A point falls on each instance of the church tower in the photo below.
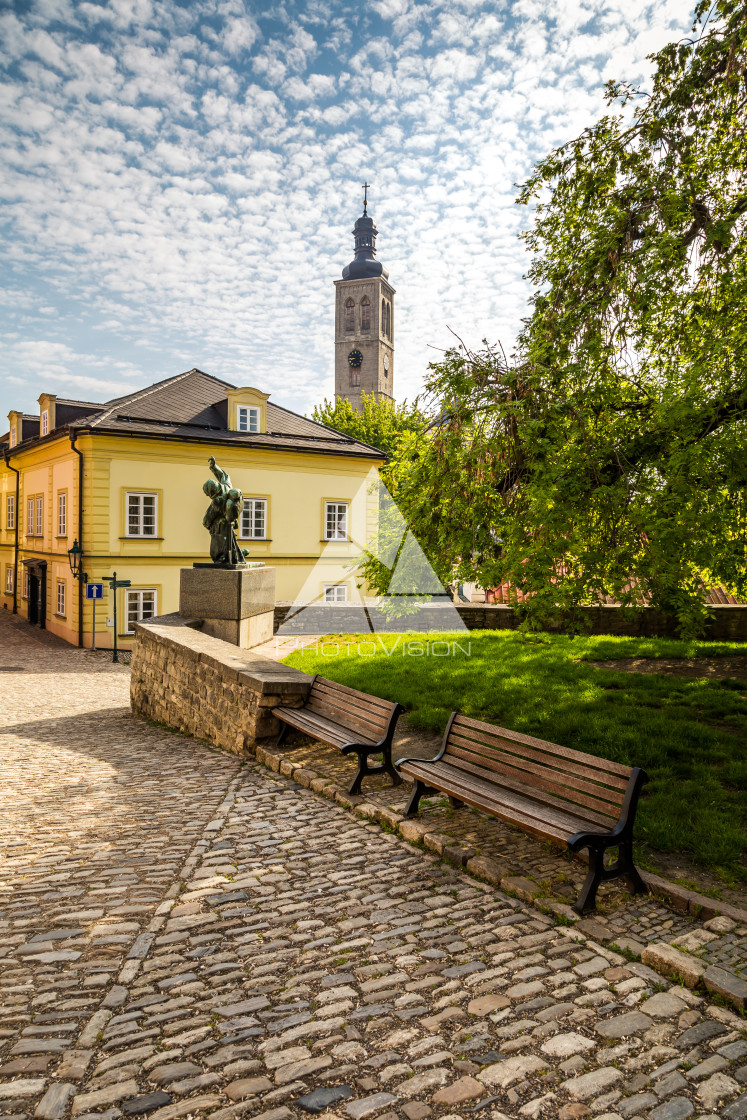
(364, 320)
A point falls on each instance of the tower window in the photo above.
(383, 317)
(355, 377)
(349, 314)
(365, 314)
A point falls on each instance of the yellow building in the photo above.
(125, 479)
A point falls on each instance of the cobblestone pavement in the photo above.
(628, 922)
(184, 934)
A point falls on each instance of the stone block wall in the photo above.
(199, 684)
(727, 623)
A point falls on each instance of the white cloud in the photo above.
(180, 182)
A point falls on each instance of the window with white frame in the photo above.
(335, 521)
(9, 580)
(247, 419)
(62, 514)
(40, 517)
(254, 519)
(140, 605)
(142, 514)
(335, 593)
(10, 512)
(61, 588)
(30, 517)
(45, 422)
(26, 583)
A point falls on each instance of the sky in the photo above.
(180, 179)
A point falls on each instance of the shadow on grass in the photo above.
(688, 734)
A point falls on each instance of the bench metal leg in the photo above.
(587, 900)
(390, 769)
(630, 871)
(284, 729)
(420, 790)
(622, 868)
(364, 770)
(355, 786)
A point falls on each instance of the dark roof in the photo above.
(193, 406)
(79, 404)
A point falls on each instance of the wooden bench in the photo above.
(553, 792)
(351, 721)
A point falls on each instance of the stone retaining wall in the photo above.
(727, 623)
(201, 685)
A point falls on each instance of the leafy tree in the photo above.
(609, 456)
(380, 423)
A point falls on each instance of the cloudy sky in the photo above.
(181, 177)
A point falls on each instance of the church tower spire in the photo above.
(364, 320)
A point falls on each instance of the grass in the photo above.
(688, 734)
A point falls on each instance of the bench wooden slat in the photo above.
(352, 703)
(545, 779)
(319, 728)
(345, 734)
(505, 782)
(610, 786)
(325, 685)
(352, 719)
(550, 748)
(563, 819)
(479, 797)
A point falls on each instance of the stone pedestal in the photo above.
(236, 604)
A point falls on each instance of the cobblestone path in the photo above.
(184, 935)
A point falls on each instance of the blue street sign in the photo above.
(94, 591)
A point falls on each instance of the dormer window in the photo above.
(247, 419)
(45, 422)
(349, 314)
(365, 314)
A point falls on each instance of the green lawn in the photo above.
(689, 735)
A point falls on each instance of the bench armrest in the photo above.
(623, 830)
(439, 756)
(386, 739)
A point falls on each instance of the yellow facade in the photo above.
(294, 484)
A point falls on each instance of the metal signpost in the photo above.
(115, 583)
(94, 591)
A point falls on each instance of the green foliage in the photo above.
(688, 734)
(380, 424)
(608, 458)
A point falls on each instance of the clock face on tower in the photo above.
(355, 358)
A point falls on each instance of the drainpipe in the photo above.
(17, 517)
(73, 437)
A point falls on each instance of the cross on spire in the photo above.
(366, 187)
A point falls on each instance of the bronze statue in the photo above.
(222, 518)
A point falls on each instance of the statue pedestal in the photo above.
(236, 604)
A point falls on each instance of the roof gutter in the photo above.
(163, 437)
(6, 456)
(79, 453)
